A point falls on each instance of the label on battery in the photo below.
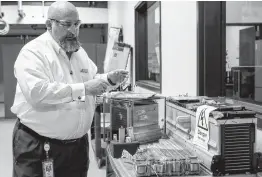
(201, 136)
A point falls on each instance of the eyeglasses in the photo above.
(67, 24)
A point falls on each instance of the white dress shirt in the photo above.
(49, 99)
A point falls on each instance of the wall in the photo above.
(91, 35)
(244, 12)
(179, 45)
(115, 13)
(259, 140)
(1, 73)
(38, 14)
(121, 14)
(179, 57)
(1, 83)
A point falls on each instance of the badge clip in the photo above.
(46, 148)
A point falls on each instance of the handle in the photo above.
(180, 119)
(183, 119)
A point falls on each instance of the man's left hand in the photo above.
(118, 76)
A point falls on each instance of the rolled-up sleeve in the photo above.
(35, 81)
(78, 90)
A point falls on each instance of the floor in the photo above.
(6, 128)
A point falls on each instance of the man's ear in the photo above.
(48, 24)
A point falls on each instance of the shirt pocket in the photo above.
(54, 68)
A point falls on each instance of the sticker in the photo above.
(201, 136)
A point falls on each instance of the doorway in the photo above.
(10, 47)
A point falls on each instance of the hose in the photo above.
(5, 30)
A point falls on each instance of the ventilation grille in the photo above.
(237, 148)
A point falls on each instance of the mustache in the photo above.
(71, 38)
(71, 41)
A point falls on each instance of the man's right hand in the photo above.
(95, 87)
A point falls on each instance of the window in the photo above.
(243, 77)
(230, 52)
(148, 45)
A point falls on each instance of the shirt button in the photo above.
(79, 97)
(71, 72)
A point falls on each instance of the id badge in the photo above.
(48, 168)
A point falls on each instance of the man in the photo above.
(55, 99)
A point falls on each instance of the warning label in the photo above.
(201, 136)
(202, 122)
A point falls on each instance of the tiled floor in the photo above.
(6, 128)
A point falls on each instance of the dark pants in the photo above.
(71, 159)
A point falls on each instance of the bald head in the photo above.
(63, 25)
(62, 10)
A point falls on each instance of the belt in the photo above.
(51, 140)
